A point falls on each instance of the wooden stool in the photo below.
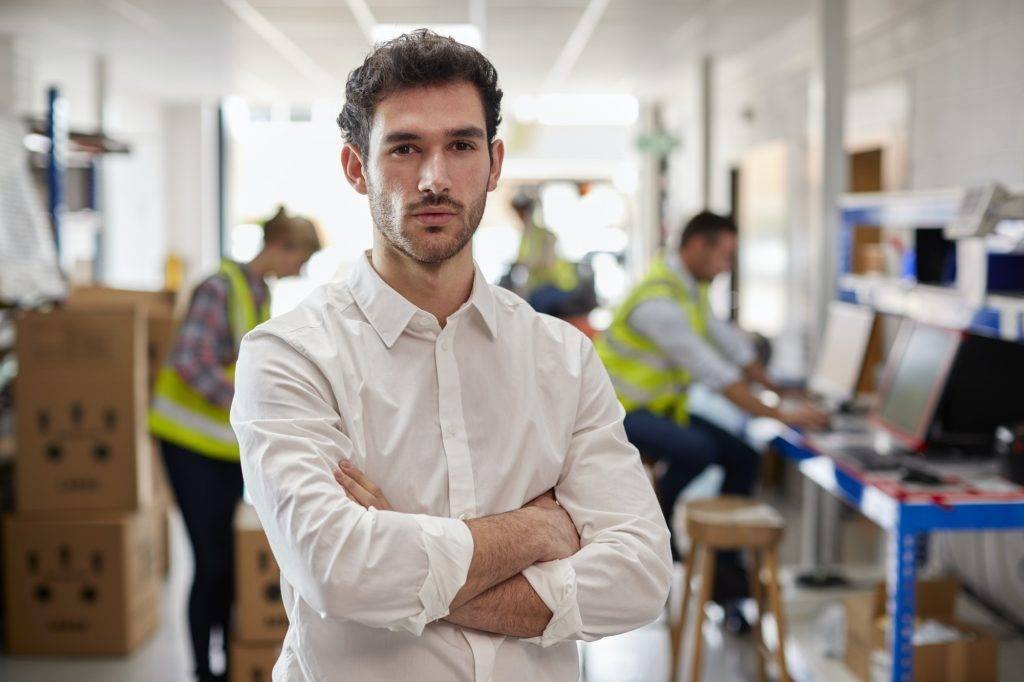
(732, 522)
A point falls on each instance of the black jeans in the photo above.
(207, 491)
(689, 450)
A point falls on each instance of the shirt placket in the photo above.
(461, 485)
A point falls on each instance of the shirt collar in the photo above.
(678, 267)
(389, 312)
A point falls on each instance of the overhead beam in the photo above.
(575, 45)
(364, 17)
(282, 44)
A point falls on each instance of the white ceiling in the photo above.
(303, 49)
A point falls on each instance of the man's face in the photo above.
(427, 170)
(712, 256)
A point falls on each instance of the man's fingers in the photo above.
(359, 477)
(361, 495)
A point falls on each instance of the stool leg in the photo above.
(757, 592)
(707, 584)
(680, 626)
(772, 564)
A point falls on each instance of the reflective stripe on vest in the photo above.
(643, 376)
(181, 415)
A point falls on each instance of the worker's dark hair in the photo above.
(415, 59)
(708, 225)
(291, 230)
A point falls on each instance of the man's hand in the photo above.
(805, 416)
(359, 488)
(562, 538)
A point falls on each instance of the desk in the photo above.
(907, 515)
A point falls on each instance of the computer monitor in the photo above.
(914, 380)
(841, 351)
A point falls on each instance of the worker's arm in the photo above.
(194, 354)
(378, 567)
(509, 608)
(663, 322)
(512, 608)
(619, 579)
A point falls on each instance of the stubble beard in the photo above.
(387, 220)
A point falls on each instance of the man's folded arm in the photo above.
(619, 580)
(380, 568)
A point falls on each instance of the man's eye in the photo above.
(402, 149)
(463, 146)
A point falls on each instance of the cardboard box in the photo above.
(252, 662)
(971, 659)
(259, 611)
(163, 500)
(156, 306)
(81, 585)
(152, 302)
(81, 407)
(160, 331)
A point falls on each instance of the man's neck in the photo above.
(259, 266)
(440, 289)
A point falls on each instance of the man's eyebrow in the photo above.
(465, 131)
(401, 136)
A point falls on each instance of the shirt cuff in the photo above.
(555, 584)
(449, 547)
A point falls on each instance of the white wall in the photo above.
(939, 84)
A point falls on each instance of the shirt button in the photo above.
(452, 431)
(445, 345)
(463, 517)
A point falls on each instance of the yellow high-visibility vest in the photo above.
(538, 253)
(180, 414)
(644, 377)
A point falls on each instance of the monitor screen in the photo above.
(841, 352)
(915, 377)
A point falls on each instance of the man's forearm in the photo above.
(503, 545)
(511, 608)
(742, 397)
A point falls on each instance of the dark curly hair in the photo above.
(421, 57)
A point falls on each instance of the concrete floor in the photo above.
(640, 656)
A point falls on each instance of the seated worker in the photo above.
(551, 280)
(189, 416)
(664, 337)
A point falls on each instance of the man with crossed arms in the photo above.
(442, 473)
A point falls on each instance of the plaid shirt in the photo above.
(205, 346)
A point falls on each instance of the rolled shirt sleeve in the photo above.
(379, 568)
(619, 580)
(666, 325)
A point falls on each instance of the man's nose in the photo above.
(434, 176)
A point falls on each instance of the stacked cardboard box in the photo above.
(158, 309)
(260, 621)
(970, 658)
(80, 553)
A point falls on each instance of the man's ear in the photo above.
(352, 164)
(497, 157)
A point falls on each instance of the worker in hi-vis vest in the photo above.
(189, 415)
(662, 338)
(550, 279)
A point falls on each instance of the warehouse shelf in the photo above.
(992, 314)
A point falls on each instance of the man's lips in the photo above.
(434, 217)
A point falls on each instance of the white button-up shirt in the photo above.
(453, 423)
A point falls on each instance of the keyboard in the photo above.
(868, 459)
